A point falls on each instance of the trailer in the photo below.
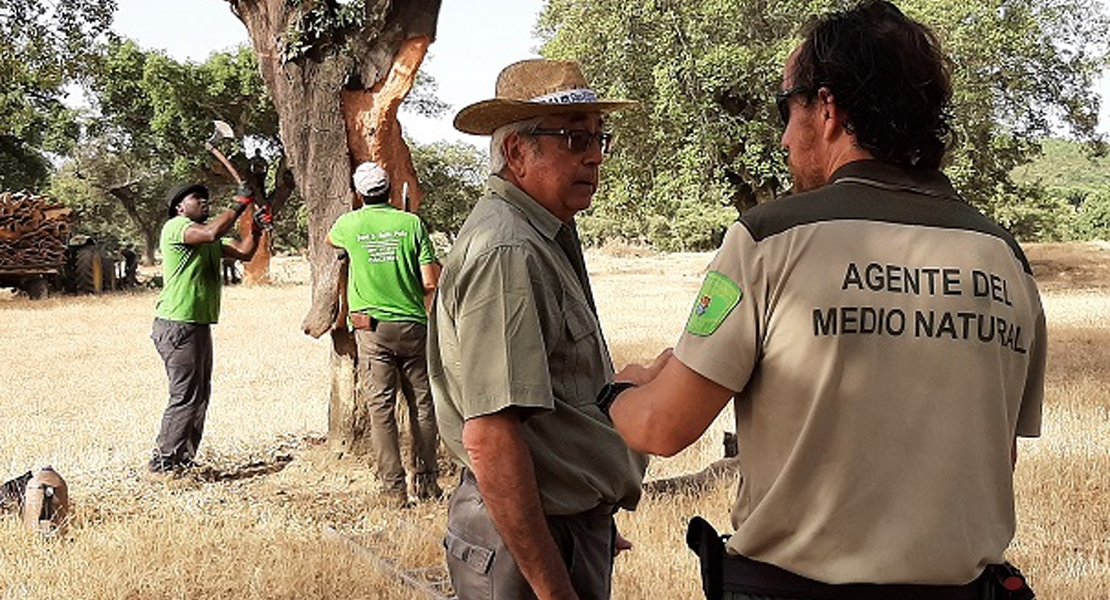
(38, 254)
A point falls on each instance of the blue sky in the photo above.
(475, 40)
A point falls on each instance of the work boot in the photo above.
(426, 487)
(160, 464)
(394, 498)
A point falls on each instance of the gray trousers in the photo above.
(482, 568)
(186, 349)
(395, 352)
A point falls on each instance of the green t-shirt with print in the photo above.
(190, 276)
(386, 247)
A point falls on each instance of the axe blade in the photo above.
(221, 130)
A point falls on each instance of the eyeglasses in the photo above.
(782, 102)
(578, 140)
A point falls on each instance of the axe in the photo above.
(222, 131)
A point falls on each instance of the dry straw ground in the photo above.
(82, 388)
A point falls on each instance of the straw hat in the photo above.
(532, 88)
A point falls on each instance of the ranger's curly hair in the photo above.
(888, 73)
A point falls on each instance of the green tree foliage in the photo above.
(44, 47)
(422, 98)
(1067, 167)
(1079, 184)
(704, 137)
(1093, 218)
(704, 143)
(149, 119)
(1022, 69)
(453, 177)
(150, 104)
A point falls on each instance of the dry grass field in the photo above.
(273, 513)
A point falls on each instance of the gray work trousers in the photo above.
(482, 568)
(395, 352)
(186, 349)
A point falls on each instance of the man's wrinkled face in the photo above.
(560, 163)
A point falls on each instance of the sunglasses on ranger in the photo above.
(782, 102)
(578, 140)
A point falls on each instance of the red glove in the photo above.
(263, 219)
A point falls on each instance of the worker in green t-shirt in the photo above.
(192, 252)
(391, 280)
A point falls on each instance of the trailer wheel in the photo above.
(37, 288)
(89, 271)
(108, 270)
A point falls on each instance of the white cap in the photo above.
(370, 179)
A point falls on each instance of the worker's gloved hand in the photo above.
(263, 219)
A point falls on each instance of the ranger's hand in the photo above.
(620, 543)
(642, 374)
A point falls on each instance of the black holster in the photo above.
(703, 539)
(722, 572)
(1005, 582)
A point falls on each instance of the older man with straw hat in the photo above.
(516, 354)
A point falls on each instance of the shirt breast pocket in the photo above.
(580, 322)
(578, 367)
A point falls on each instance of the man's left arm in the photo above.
(429, 275)
(669, 412)
(429, 265)
(245, 248)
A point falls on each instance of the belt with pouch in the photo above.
(724, 572)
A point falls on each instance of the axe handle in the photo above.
(223, 160)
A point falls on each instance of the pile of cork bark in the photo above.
(33, 230)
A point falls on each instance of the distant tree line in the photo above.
(704, 144)
(702, 147)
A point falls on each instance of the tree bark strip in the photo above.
(372, 127)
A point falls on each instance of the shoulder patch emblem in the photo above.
(718, 296)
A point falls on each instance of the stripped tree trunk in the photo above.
(356, 76)
(372, 129)
(256, 271)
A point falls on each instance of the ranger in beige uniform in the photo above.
(516, 355)
(884, 341)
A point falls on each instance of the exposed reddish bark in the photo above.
(373, 132)
(257, 270)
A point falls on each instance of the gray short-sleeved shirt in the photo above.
(513, 326)
(887, 343)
